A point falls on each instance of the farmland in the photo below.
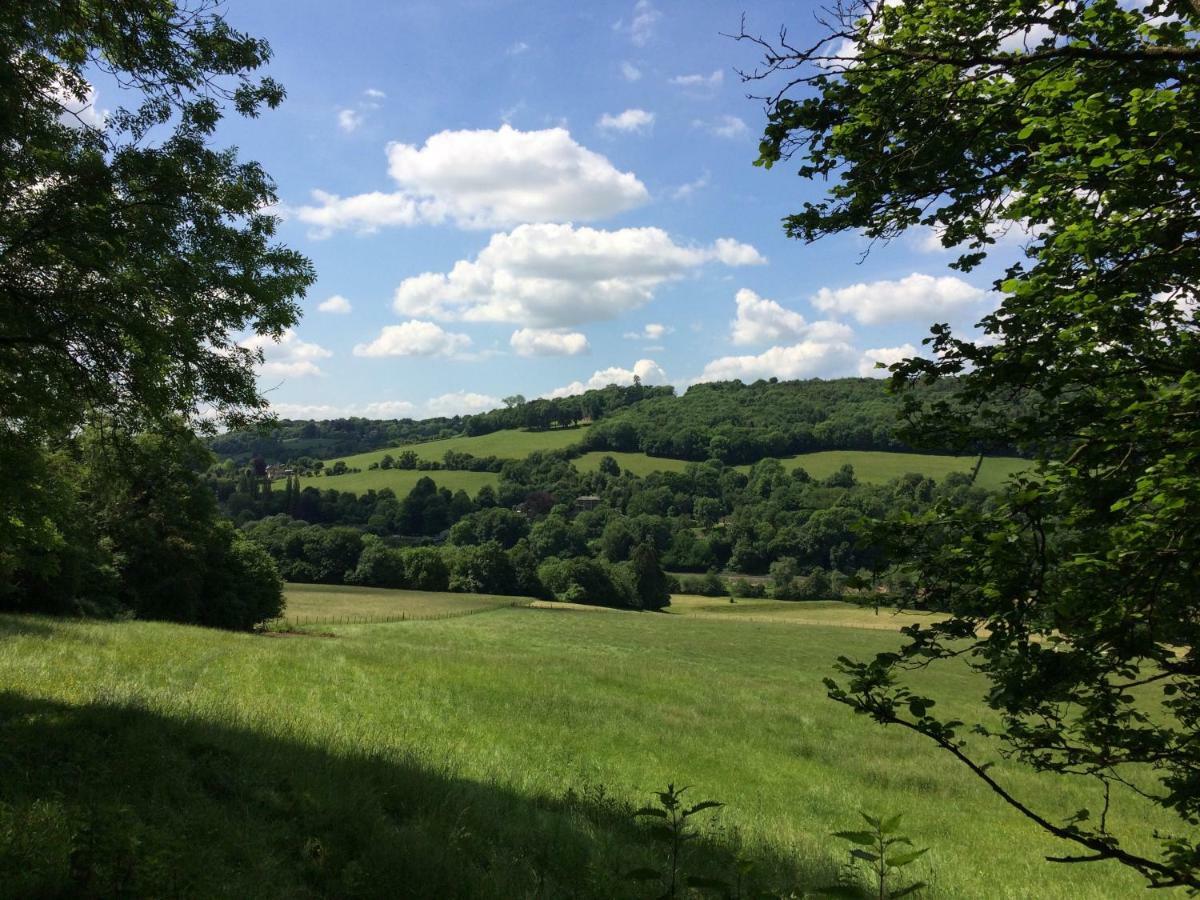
(489, 755)
(871, 467)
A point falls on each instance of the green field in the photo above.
(400, 480)
(309, 604)
(508, 444)
(870, 466)
(490, 755)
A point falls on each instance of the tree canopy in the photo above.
(1072, 125)
(135, 255)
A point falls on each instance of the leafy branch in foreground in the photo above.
(1076, 594)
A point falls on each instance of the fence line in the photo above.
(289, 622)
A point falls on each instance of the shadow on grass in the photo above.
(120, 801)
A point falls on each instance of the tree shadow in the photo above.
(121, 801)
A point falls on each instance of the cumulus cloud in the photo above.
(652, 331)
(548, 342)
(288, 357)
(916, 296)
(553, 276)
(351, 118)
(375, 94)
(381, 409)
(762, 321)
(460, 403)
(722, 126)
(630, 72)
(335, 304)
(885, 355)
(484, 179)
(632, 120)
(81, 110)
(646, 370)
(414, 338)
(517, 49)
(700, 82)
(806, 359)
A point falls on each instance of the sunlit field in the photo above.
(400, 480)
(496, 754)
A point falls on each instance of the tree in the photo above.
(133, 254)
(649, 580)
(1075, 594)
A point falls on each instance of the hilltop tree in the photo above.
(1071, 126)
(132, 251)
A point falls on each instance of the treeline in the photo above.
(570, 535)
(290, 440)
(740, 423)
(128, 525)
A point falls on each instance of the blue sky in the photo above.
(530, 197)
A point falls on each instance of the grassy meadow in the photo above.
(870, 466)
(506, 444)
(489, 755)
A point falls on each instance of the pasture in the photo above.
(507, 444)
(490, 755)
(870, 466)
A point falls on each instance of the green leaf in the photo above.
(700, 807)
(890, 825)
(866, 838)
(903, 859)
(864, 855)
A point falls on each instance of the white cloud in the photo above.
(548, 342)
(559, 275)
(414, 338)
(646, 370)
(366, 213)
(381, 409)
(652, 331)
(375, 94)
(641, 26)
(461, 403)
(885, 355)
(762, 321)
(700, 82)
(806, 359)
(686, 190)
(630, 72)
(916, 296)
(723, 126)
(289, 357)
(335, 304)
(349, 120)
(80, 111)
(517, 48)
(484, 179)
(632, 120)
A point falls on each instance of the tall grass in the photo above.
(488, 755)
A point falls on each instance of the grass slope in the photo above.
(508, 444)
(870, 466)
(492, 755)
(319, 603)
